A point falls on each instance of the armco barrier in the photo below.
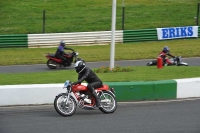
(78, 38)
(74, 38)
(125, 91)
(140, 35)
(13, 40)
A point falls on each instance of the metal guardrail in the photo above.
(13, 40)
(140, 35)
(76, 38)
(199, 32)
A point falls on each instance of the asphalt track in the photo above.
(138, 117)
(134, 117)
(43, 67)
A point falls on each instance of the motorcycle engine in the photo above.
(85, 98)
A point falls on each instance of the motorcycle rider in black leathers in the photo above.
(85, 73)
(60, 53)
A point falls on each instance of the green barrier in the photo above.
(165, 89)
(144, 35)
(137, 91)
(13, 40)
(199, 31)
(140, 35)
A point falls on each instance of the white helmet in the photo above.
(62, 43)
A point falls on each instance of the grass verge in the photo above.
(127, 51)
(143, 73)
(23, 16)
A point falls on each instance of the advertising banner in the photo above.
(177, 32)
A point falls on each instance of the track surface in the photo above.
(43, 67)
(155, 117)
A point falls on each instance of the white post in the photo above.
(112, 48)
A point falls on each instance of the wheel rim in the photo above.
(63, 107)
(108, 101)
(52, 64)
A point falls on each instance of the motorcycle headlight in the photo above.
(76, 53)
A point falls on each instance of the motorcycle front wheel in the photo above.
(63, 108)
(108, 102)
(52, 64)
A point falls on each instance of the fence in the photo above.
(140, 35)
(78, 38)
(18, 40)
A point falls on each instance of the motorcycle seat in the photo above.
(104, 87)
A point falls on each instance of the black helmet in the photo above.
(62, 43)
(79, 66)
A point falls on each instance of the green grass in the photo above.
(130, 51)
(22, 16)
(25, 17)
(141, 50)
(138, 74)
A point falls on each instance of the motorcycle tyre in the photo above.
(51, 67)
(149, 64)
(152, 63)
(182, 65)
(59, 112)
(113, 110)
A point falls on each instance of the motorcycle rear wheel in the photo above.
(51, 64)
(110, 104)
(62, 108)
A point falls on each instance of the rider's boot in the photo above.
(98, 104)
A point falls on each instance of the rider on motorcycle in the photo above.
(85, 73)
(163, 54)
(60, 53)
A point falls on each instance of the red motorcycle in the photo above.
(66, 103)
(54, 62)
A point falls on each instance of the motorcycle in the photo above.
(78, 95)
(54, 62)
(175, 62)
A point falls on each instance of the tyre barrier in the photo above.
(38, 94)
